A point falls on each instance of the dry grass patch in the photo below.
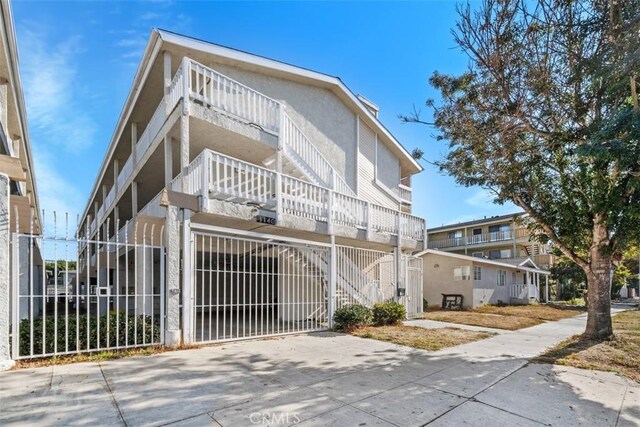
(486, 320)
(96, 356)
(621, 354)
(421, 338)
(533, 311)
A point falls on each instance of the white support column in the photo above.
(184, 149)
(331, 303)
(166, 56)
(399, 273)
(186, 85)
(204, 196)
(187, 282)
(330, 209)
(5, 277)
(168, 160)
(134, 141)
(172, 244)
(134, 199)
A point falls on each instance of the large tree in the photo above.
(546, 116)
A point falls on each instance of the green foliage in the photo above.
(389, 313)
(89, 331)
(425, 304)
(352, 316)
(545, 117)
(61, 265)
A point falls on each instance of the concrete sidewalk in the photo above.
(328, 379)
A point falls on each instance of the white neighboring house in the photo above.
(481, 281)
(277, 193)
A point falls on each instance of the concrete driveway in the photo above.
(327, 379)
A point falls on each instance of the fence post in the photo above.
(172, 278)
(331, 303)
(5, 277)
(187, 282)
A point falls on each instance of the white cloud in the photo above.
(49, 79)
(60, 125)
(481, 199)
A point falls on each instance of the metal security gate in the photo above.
(251, 287)
(414, 297)
(74, 295)
(364, 276)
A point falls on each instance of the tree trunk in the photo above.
(599, 287)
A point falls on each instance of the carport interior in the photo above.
(248, 287)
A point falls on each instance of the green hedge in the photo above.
(121, 333)
(389, 313)
(351, 316)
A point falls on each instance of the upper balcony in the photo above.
(323, 195)
(518, 234)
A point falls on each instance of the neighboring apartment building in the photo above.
(503, 238)
(277, 193)
(19, 210)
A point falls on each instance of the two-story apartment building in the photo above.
(276, 193)
(503, 238)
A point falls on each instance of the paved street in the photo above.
(328, 379)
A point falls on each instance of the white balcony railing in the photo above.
(522, 291)
(405, 193)
(249, 182)
(479, 239)
(226, 178)
(219, 91)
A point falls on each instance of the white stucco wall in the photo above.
(326, 121)
(486, 290)
(438, 279)
(367, 188)
(388, 166)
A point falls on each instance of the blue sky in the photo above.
(78, 60)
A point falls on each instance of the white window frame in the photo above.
(475, 254)
(461, 273)
(501, 278)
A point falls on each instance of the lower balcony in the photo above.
(229, 187)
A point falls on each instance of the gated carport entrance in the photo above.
(249, 287)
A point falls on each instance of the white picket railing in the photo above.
(349, 211)
(175, 90)
(405, 193)
(155, 123)
(125, 173)
(232, 177)
(153, 208)
(301, 150)
(303, 199)
(232, 97)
